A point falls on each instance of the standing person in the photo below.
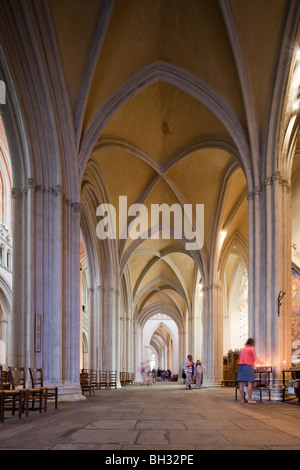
(247, 358)
(188, 369)
(199, 368)
(183, 375)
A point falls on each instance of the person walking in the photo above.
(188, 369)
(247, 359)
(199, 368)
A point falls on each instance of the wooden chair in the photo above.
(102, 379)
(263, 381)
(10, 399)
(18, 382)
(123, 378)
(4, 379)
(130, 378)
(112, 379)
(37, 381)
(93, 378)
(85, 382)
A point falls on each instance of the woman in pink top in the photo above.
(247, 358)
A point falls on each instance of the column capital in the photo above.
(77, 207)
(211, 287)
(58, 190)
(32, 184)
(16, 193)
(269, 181)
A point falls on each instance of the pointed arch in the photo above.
(236, 244)
(161, 71)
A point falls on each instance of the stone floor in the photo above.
(162, 417)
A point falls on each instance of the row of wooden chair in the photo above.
(126, 378)
(91, 379)
(229, 379)
(15, 395)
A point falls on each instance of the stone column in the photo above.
(110, 328)
(131, 344)
(139, 352)
(53, 290)
(98, 332)
(126, 342)
(197, 332)
(106, 330)
(213, 328)
(270, 273)
(92, 329)
(280, 322)
(19, 263)
(182, 353)
(45, 321)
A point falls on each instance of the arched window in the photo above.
(243, 308)
(5, 182)
(6, 246)
(235, 327)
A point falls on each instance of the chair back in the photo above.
(84, 378)
(93, 377)
(17, 377)
(36, 376)
(102, 378)
(112, 379)
(4, 379)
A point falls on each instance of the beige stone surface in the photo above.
(191, 420)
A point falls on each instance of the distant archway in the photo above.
(234, 273)
(161, 340)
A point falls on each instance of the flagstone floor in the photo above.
(158, 417)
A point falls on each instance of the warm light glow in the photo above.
(200, 291)
(223, 234)
(259, 365)
(294, 90)
(290, 126)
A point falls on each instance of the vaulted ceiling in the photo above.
(165, 75)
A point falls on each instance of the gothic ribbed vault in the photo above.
(162, 102)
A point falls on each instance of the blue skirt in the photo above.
(245, 373)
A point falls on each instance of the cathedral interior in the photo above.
(150, 185)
